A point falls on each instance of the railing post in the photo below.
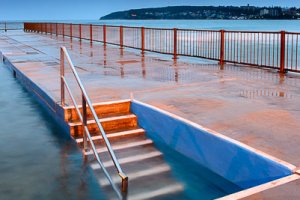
(80, 32)
(5, 28)
(56, 26)
(91, 33)
(84, 116)
(104, 34)
(51, 28)
(121, 37)
(62, 74)
(282, 52)
(222, 47)
(143, 40)
(71, 31)
(63, 30)
(175, 43)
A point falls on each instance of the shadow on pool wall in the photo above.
(233, 162)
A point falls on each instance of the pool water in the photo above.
(199, 182)
(38, 161)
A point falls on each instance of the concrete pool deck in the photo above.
(257, 107)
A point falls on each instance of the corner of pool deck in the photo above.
(257, 107)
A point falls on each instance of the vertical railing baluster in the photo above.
(84, 116)
(62, 74)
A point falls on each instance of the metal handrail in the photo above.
(83, 117)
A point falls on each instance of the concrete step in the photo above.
(109, 124)
(103, 110)
(118, 134)
(149, 175)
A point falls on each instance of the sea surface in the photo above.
(38, 161)
(251, 25)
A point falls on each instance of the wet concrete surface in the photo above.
(288, 191)
(258, 107)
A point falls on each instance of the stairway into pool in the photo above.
(150, 175)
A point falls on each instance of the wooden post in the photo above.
(71, 31)
(282, 52)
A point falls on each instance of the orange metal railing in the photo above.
(278, 50)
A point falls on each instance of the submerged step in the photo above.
(155, 170)
(134, 158)
(115, 135)
(166, 190)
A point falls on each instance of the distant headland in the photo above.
(206, 12)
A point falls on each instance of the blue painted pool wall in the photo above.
(233, 162)
(52, 108)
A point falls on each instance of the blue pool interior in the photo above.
(236, 164)
(38, 161)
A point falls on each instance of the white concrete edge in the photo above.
(286, 164)
(260, 188)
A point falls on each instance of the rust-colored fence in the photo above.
(6, 26)
(278, 50)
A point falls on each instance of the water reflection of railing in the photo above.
(6, 26)
(278, 50)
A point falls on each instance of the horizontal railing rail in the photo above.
(271, 49)
(7, 26)
(86, 102)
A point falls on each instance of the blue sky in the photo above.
(93, 9)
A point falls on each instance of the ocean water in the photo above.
(38, 161)
(251, 25)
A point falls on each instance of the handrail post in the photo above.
(56, 27)
(104, 34)
(80, 32)
(71, 31)
(84, 117)
(63, 30)
(282, 52)
(51, 28)
(121, 37)
(91, 33)
(222, 47)
(143, 39)
(175, 44)
(62, 74)
(5, 28)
